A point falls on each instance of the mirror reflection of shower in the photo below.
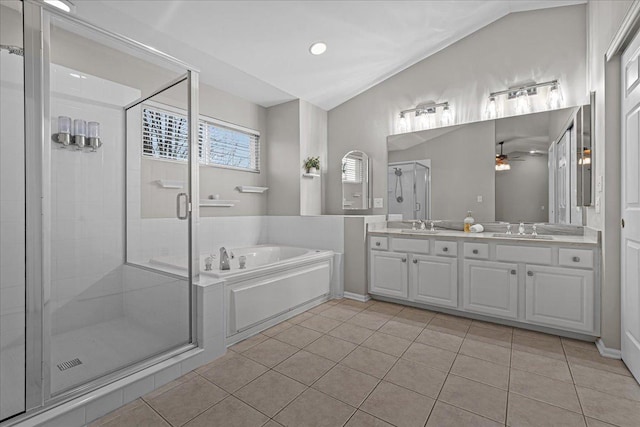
(409, 189)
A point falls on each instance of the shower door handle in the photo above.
(418, 207)
(186, 206)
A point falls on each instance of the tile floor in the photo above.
(346, 363)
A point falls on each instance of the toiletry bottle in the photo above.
(468, 222)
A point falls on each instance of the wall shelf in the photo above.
(170, 183)
(311, 175)
(216, 203)
(251, 189)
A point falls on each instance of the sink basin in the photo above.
(420, 231)
(523, 237)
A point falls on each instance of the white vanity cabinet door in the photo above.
(491, 288)
(389, 274)
(560, 297)
(434, 280)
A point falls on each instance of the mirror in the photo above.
(355, 181)
(532, 168)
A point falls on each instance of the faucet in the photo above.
(521, 228)
(423, 224)
(433, 228)
(535, 230)
(224, 259)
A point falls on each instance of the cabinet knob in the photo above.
(377, 243)
(576, 259)
(529, 273)
(404, 260)
(415, 261)
(475, 251)
(445, 249)
(513, 272)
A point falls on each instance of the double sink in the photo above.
(500, 235)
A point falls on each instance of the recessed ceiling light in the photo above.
(318, 48)
(60, 4)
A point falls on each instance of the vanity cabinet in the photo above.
(560, 297)
(491, 288)
(434, 280)
(389, 274)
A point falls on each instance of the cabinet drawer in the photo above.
(420, 246)
(530, 254)
(376, 242)
(446, 248)
(476, 250)
(576, 257)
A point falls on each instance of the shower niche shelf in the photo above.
(251, 189)
(170, 183)
(217, 203)
(311, 175)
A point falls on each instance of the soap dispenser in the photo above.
(468, 222)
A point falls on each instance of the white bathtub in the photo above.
(277, 283)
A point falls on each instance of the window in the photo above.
(165, 136)
(352, 170)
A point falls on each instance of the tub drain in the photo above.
(69, 364)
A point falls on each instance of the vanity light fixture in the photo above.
(318, 48)
(522, 95)
(523, 104)
(554, 98)
(425, 116)
(492, 109)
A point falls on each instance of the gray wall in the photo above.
(510, 50)
(522, 193)
(462, 168)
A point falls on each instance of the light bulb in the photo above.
(447, 116)
(422, 121)
(492, 108)
(403, 124)
(523, 105)
(554, 98)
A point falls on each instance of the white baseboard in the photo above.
(607, 352)
(357, 297)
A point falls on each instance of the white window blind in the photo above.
(352, 170)
(165, 136)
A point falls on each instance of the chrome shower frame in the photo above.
(427, 184)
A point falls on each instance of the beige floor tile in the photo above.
(315, 409)
(270, 392)
(386, 308)
(440, 340)
(452, 318)
(415, 317)
(525, 412)
(490, 325)
(272, 423)
(320, 308)
(231, 412)
(340, 313)
(592, 422)
(180, 380)
(270, 352)
(305, 367)
(578, 356)
(540, 336)
(184, 402)
(449, 326)
(276, 329)
(298, 336)
(401, 330)
(234, 373)
(245, 345)
(351, 333)
(135, 414)
(320, 324)
(541, 365)
(346, 384)
(481, 399)
(609, 408)
(553, 392)
(445, 415)
(300, 318)
(387, 344)
(489, 352)
(432, 357)
(548, 347)
(331, 348)
(398, 406)
(357, 304)
(369, 361)
(417, 377)
(482, 371)
(607, 382)
(362, 419)
(369, 320)
(585, 345)
(491, 336)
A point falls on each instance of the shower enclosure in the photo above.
(87, 307)
(409, 189)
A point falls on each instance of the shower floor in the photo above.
(102, 348)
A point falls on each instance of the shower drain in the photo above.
(69, 364)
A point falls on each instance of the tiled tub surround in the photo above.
(346, 363)
(546, 285)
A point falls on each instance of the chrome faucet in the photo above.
(535, 230)
(433, 228)
(423, 224)
(224, 259)
(521, 229)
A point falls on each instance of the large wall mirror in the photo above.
(533, 168)
(355, 181)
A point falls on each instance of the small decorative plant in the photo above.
(312, 163)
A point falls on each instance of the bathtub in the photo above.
(277, 282)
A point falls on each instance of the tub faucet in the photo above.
(224, 259)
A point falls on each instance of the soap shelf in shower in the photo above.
(217, 203)
(311, 175)
(170, 183)
(251, 189)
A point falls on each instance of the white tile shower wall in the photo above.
(86, 203)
